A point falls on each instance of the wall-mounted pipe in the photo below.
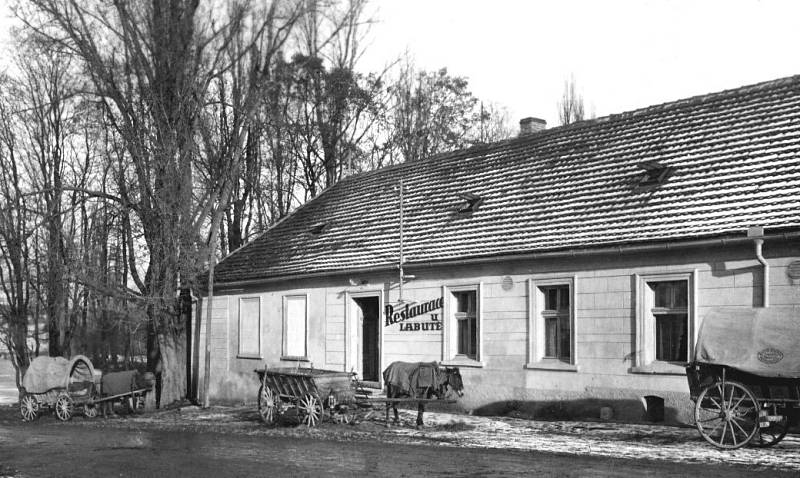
(759, 244)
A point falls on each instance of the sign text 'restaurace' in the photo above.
(405, 312)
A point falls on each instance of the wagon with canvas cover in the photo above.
(745, 376)
(58, 383)
(66, 385)
(313, 394)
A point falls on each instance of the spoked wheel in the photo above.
(309, 411)
(267, 405)
(89, 410)
(726, 414)
(774, 433)
(28, 408)
(63, 407)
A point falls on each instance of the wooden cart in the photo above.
(313, 394)
(316, 394)
(745, 377)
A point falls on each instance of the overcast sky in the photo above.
(623, 54)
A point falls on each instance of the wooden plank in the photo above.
(132, 392)
(405, 400)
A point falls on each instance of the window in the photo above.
(655, 173)
(552, 324)
(462, 325)
(294, 326)
(556, 322)
(250, 327)
(671, 319)
(665, 322)
(466, 320)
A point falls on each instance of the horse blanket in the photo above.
(412, 378)
(117, 383)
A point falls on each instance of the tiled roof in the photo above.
(736, 160)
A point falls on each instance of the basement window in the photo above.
(655, 173)
(471, 204)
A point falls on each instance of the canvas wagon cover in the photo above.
(764, 342)
(45, 373)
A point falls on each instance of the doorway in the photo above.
(367, 324)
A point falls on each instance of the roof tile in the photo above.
(736, 156)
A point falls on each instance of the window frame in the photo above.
(537, 318)
(284, 338)
(645, 337)
(239, 352)
(450, 355)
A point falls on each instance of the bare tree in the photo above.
(151, 65)
(433, 112)
(570, 107)
(16, 231)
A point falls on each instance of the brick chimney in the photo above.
(531, 125)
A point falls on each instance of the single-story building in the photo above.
(564, 271)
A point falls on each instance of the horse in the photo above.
(421, 380)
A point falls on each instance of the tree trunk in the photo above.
(173, 366)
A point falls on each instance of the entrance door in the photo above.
(368, 330)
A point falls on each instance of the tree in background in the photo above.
(16, 230)
(140, 141)
(570, 106)
(435, 112)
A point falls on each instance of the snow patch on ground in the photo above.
(590, 438)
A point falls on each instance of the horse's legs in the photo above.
(420, 411)
(386, 423)
(396, 416)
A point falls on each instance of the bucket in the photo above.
(653, 408)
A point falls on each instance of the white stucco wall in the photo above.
(605, 326)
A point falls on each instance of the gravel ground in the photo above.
(602, 439)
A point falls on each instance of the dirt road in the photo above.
(54, 449)
(231, 441)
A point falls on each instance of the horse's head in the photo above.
(453, 382)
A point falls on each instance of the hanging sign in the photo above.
(403, 312)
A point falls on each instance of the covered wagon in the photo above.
(58, 383)
(745, 376)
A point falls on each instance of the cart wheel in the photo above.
(89, 410)
(267, 406)
(773, 434)
(309, 411)
(63, 407)
(726, 414)
(28, 408)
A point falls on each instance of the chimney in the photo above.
(531, 125)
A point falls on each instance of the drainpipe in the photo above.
(760, 257)
(758, 234)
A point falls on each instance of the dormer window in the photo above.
(655, 173)
(317, 228)
(472, 202)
